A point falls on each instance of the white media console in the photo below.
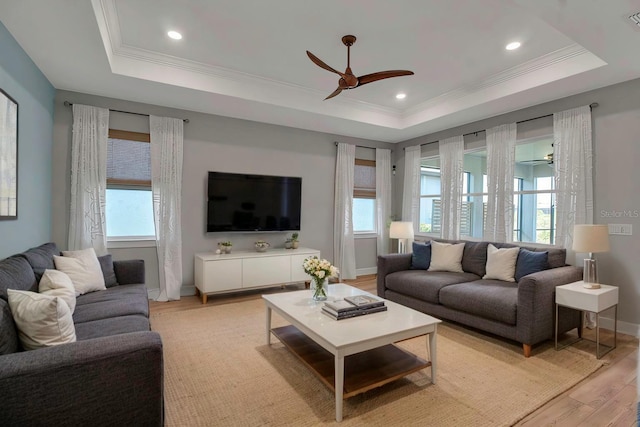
(249, 270)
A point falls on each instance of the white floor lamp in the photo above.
(403, 231)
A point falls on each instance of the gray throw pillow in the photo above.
(106, 264)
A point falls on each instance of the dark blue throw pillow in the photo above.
(530, 262)
(421, 257)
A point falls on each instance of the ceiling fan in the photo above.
(547, 158)
(347, 79)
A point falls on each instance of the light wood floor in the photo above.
(606, 398)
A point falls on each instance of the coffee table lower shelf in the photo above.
(362, 371)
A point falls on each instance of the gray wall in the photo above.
(616, 130)
(214, 143)
(24, 82)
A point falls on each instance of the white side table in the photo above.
(576, 296)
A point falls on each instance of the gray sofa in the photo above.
(523, 311)
(112, 375)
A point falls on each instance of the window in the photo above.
(364, 196)
(430, 212)
(129, 201)
(474, 194)
(534, 164)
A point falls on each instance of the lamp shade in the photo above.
(401, 230)
(590, 238)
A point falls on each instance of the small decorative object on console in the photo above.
(320, 271)
(262, 246)
(294, 241)
(225, 247)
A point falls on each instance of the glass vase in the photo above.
(319, 288)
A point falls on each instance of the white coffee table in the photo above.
(362, 349)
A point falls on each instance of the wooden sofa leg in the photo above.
(527, 349)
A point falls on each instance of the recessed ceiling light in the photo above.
(401, 96)
(174, 35)
(513, 46)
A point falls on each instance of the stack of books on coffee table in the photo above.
(353, 306)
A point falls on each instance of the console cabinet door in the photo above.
(222, 275)
(297, 271)
(264, 271)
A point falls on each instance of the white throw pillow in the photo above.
(83, 268)
(446, 257)
(42, 320)
(501, 263)
(58, 284)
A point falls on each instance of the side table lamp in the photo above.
(590, 238)
(403, 231)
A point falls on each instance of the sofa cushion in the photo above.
(421, 256)
(106, 264)
(446, 257)
(112, 326)
(474, 259)
(42, 320)
(113, 302)
(530, 262)
(425, 285)
(41, 258)
(58, 284)
(491, 299)
(16, 273)
(9, 342)
(501, 263)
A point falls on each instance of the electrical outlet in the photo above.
(621, 229)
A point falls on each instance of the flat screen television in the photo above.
(241, 202)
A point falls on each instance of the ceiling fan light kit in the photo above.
(347, 79)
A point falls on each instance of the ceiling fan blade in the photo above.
(368, 78)
(321, 64)
(334, 93)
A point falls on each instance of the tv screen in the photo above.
(241, 202)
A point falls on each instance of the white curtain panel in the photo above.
(383, 198)
(411, 187)
(343, 243)
(166, 183)
(87, 224)
(501, 153)
(451, 152)
(573, 162)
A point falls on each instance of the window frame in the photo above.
(425, 170)
(359, 193)
(135, 241)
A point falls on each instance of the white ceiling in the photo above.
(246, 59)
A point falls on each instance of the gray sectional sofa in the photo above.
(523, 311)
(112, 375)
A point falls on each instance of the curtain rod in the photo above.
(69, 104)
(362, 146)
(592, 105)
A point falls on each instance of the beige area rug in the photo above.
(219, 371)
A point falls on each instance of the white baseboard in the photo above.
(366, 271)
(623, 327)
(153, 294)
(185, 291)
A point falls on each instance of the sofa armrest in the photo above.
(536, 304)
(129, 272)
(388, 264)
(115, 380)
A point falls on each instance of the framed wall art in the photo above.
(8, 157)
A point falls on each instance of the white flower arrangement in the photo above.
(319, 268)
